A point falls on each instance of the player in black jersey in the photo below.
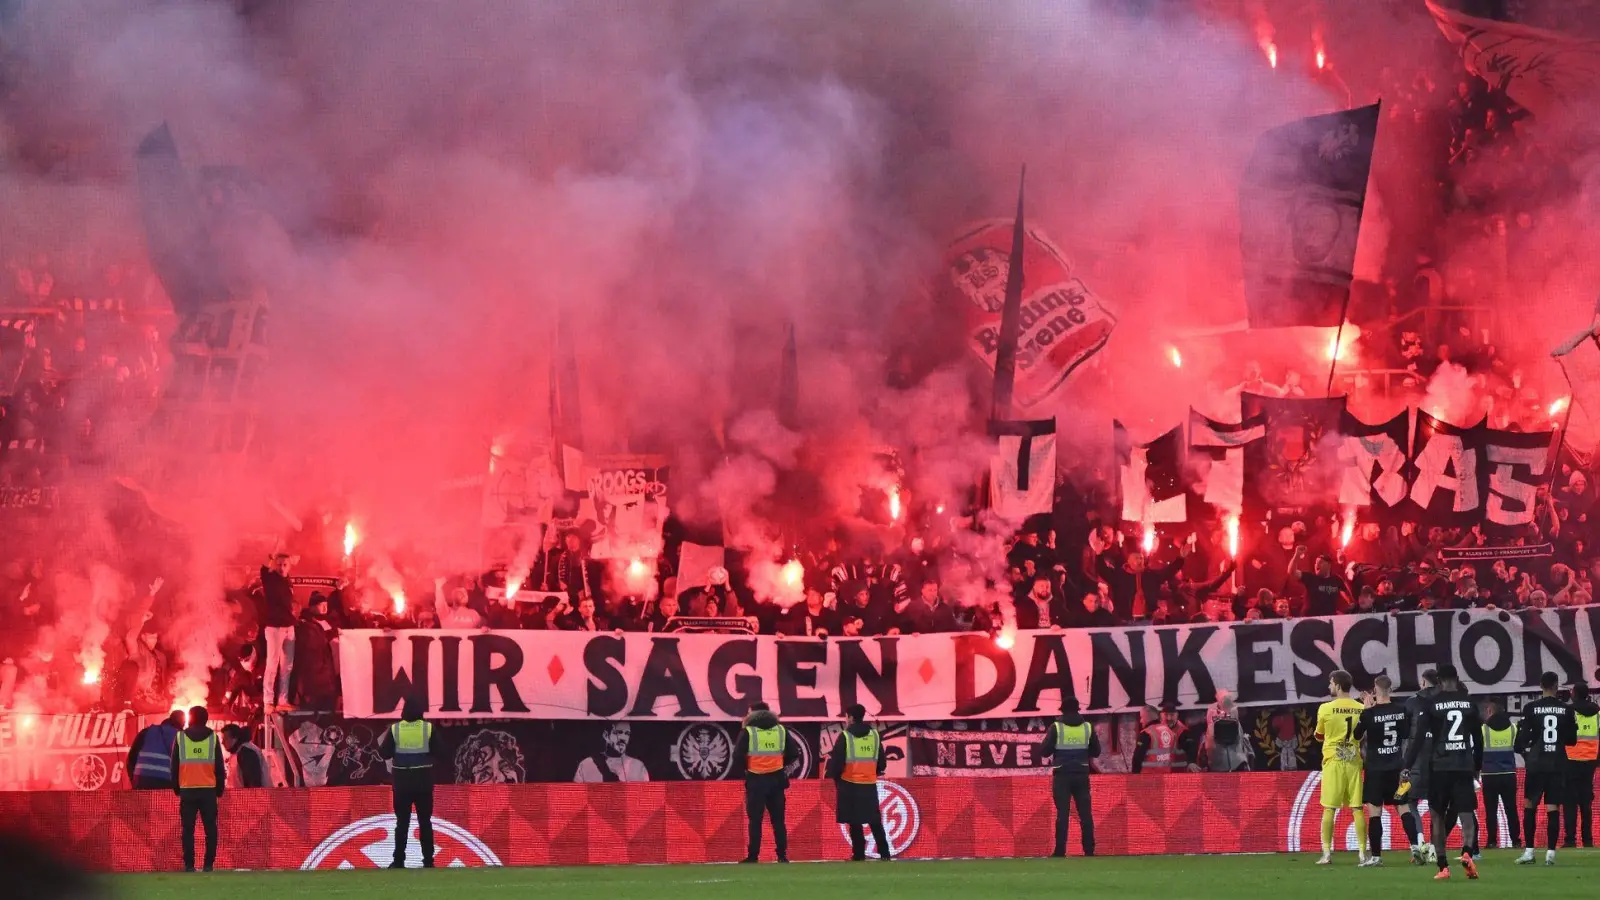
(1455, 730)
(1543, 735)
(1415, 704)
(1383, 729)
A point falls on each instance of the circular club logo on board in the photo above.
(802, 763)
(703, 753)
(901, 819)
(369, 844)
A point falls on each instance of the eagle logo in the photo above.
(703, 753)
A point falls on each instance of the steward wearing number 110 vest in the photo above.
(763, 751)
(856, 761)
(1069, 745)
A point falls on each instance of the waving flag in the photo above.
(1299, 216)
(1547, 72)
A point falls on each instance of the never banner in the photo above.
(567, 675)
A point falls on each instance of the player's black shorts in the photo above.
(1546, 786)
(1379, 789)
(1419, 785)
(1456, 791)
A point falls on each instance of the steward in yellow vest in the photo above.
(1578, 796)
(763, 752)
(201, 777)
(413, 745)
(856, 761)
(1499, 773)
(1069, 745)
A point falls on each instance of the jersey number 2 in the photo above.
(1455, 717)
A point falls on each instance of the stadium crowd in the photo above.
(84, 355)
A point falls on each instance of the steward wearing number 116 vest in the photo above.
(1069, 745)
(764, 751)
(856, 761)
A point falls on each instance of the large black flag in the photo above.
(180, 247)
(1296, 463)
(1005, 356)
(1300, 208)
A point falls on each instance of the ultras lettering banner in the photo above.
(570, 675)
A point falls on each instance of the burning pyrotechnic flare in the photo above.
(351, 539)
(1264, 40)
(894, 503)
(1348, 530)
(1175, 356)
(91, 676)
(637, 568)
(1339, 344)
(1006, 639)
(1231, 524)
(399, 598)
(1148, 542)
(794, 573)
(1559, 405)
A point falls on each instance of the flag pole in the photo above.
(1338, 340)
(1005, 355)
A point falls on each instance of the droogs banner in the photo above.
(570, 675)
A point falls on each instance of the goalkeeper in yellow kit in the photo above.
(1341, 763)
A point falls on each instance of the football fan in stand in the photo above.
(1451, 720)
(1341, 763)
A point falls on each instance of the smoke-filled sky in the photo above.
(680, 179)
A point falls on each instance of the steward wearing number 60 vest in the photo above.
(763, 751)
(413, 745)
(856, 761)
(197, 760)
(1069, 745)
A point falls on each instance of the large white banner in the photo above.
(575, 675)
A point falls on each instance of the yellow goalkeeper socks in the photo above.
(1361, 833)
(1327, 829)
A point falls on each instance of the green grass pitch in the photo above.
(1166, 878)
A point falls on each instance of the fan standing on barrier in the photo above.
(413, 744)
(197, 758)
(855, 763)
